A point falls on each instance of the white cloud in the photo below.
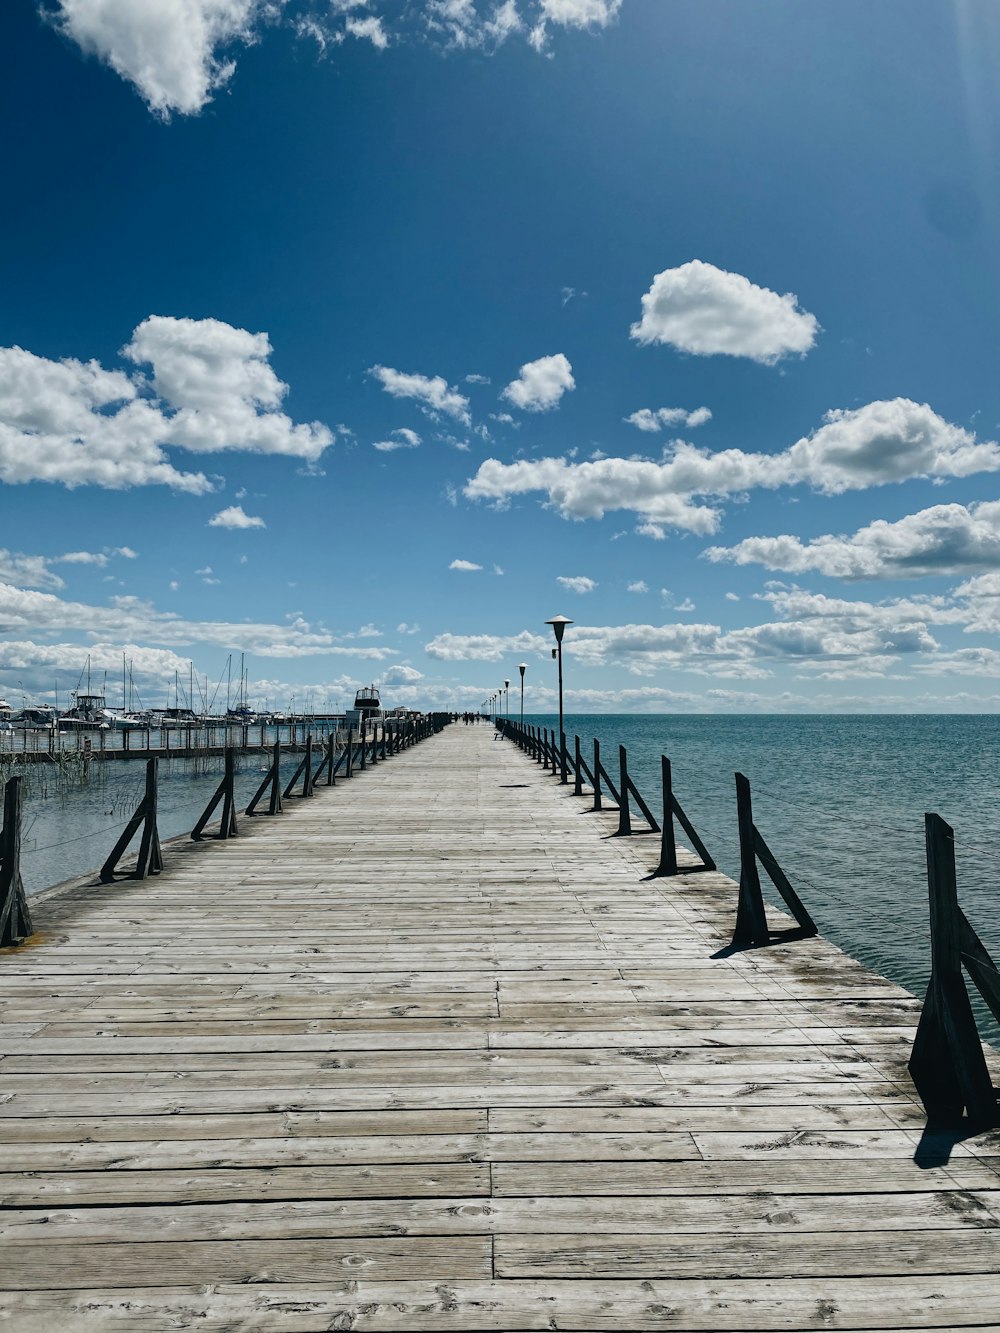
(640, 585)
(588, 490)
(403, 438)
(708, 311)
(170, 50)
(945, 539)
(234, 517)
(541, 384)
(76, 423)
(467, 566)
(370, 29)
(877, 444)
(433, 392)
(223, 390)
(578, 583)
(35, 571)
(400, 675)
(404, 628)
(581, 13)
(484, 647)
(654, 419)
(131, 619)
(885, 441)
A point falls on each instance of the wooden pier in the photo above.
(430, 1051)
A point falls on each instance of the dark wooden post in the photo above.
(597, 774)
(150, 858)
(226, 793)
(751, 921)
(272, 781)
(578, 780)
(349, 770)
(15, 919)
(624, 813)
(668, 846)
(947, 1063)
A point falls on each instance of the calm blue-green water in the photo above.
(67, 831)
(840, 801)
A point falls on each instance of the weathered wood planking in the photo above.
(430, 1052)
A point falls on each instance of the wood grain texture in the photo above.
(430, 1052)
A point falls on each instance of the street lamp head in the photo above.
(506, 684)
(559, 624)
(522, 667)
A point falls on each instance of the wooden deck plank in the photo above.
(430, 1052)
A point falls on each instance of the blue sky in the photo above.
(245, 245)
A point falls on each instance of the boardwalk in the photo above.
(428, 1052)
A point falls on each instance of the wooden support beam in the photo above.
(150, 858)
(751, 919)
(947, 1064)
(15, 919)
(225, 792)
(272, 783)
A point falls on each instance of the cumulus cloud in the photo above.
(403, 438)
(589, 490)
(35, 571)
(171, 51)
(370, 29)
(541, 384)
(640, 585)
(211, 389)
(134, 620)
(945, 539)
(432, 391)
(708, 311)
(654, 419)
(178, 53)
(879, 443)
(221, 388)
(484, 647)
(234, 517)
(578, 583)
(400, 675)
(808, 632)
(467, 566)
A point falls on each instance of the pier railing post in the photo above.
(15, 919)
(597, 774)
(150, 858)
(668, 845)
(303, 770)
(624, 814)
(225, 792)
(947, 1064)
(578, 766)
(627, 789)
(751, 919)
(273, 782)
(563, 765)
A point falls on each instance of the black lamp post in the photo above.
(506, 698)
(559, 624)
(521, 667)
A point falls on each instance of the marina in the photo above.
(436, 1049)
